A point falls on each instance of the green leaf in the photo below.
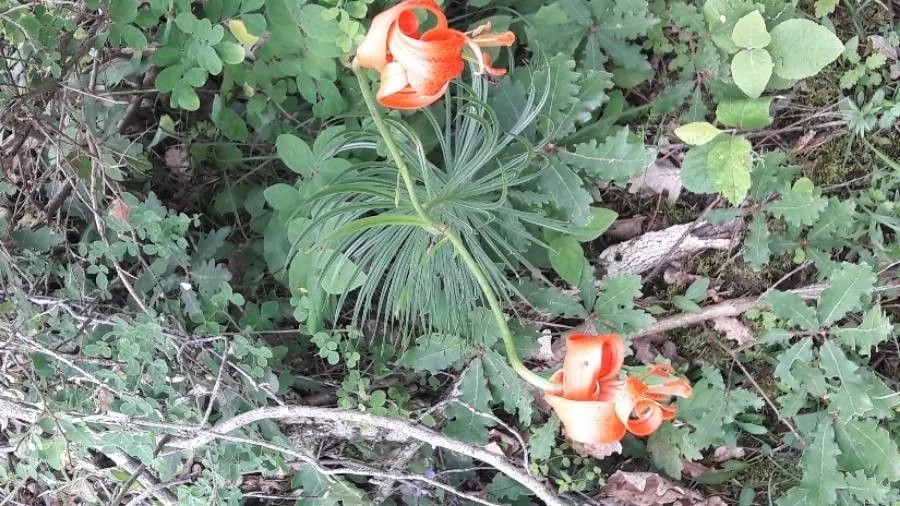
(283, 197)
(800, 204)
(435, 352)
(749, 114)
(567, 258)
(712, 408)
(697, 291)
(133, 37)
(473, 389)
(750, 32)
(801, 351)
(867, 446)
(543, 439)
(230, 122)
(185, 97)
(874, 329)
(697, 133)
(848, 286)
(864, 489)
(41, 240)
(196, 77)
(507, 386)
(566, 191)
(801, 48)
(668, 446)
(756, 244)
(851, 399)
(751, 70)
(615, 309)
(821, 478)
(833, 220)
(729, 163)
(465, 425)
(339, 274)
(208, 59)
(123, 11)
(169, 78)
(825, 7)
(230, 52)
(504, 487)
(601, 220)
(685, 304)
(616, 160)
(295, 153)
(791, 308)
(695, 170)
(551, 300)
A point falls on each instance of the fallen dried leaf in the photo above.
(880, 45)
(599, 451)
(647, 348)
(647, 489)
(493, 447)
(120, 210)
(723, 453)
(734, 330)
(661, 177)
(694, 469)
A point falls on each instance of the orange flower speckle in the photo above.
(417, 68)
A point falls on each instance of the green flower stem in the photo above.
(457, 242)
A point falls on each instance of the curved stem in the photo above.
(496, 310)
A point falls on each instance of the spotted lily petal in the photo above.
(591, 360)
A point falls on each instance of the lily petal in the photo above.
(589, 361)
(591, 422)
(409, 99)
(677, 387)
(373, 51)
(430, 62)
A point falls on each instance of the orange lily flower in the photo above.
(417, 68)
(595, 407)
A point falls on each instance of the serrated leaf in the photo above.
(560, 78)
(748, 114)
(507, 387)
(821, 478)
(729, 164)
(504, 487)
(850, 400)
(874, 329)
(801, 48)
(847, 288)
(614, 307)
(567, 258)
(791, 308)
(801, 351)
(800, 204)
(750, 31)
(435, 352)
(566, 191)
(465, 425)
(697, 133)
(833, 220)
(712, 409)
(551, 300)
(616, 160)
(473, 389)
(756, 244)
(864, 489)
(867, 446)
(668, 446)
(543, 439)
(751, 70)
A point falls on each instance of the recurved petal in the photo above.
(640, 415)
(409, 99)
(373, 51)
(591, 422)
(589, 361)
(432, 61)
(677, 387)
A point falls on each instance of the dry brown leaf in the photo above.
(735, 330)
(694, 469)
(120, 210)
(647, 348)
(493, 447)
(647, 489)
(177, 157)
(880, 45)
(661, 177)
(723, 453)
(599, 451)
(626, 228)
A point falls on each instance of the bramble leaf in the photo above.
(729, 165)
(801, 48)
(750, 31)
(791, 308)
(697, 133)
(799, 204)
(874, 329)
(848, 285)
(434, 352)
(756, 244)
